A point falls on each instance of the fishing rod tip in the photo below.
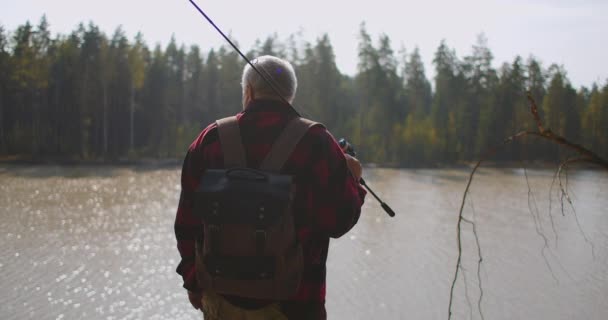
(388, 209)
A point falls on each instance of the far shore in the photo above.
(60, 161)
(175, 162)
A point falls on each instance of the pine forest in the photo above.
(89, 96)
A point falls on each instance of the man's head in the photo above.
(278, 71)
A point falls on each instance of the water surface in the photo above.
(97, 243)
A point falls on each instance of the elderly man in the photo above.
(327, 202)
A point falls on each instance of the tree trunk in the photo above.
(105, 120)
(56, 125)
(132, 112)
(35, 97)
(2, 137)
(82, 127)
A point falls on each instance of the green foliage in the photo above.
(559, 107)
(86, 95)
(419, 140)
(417, 87)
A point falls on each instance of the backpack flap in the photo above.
(242, 196)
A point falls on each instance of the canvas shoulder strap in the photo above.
(232, 145)
(286, 143)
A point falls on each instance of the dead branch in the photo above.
(565, 194)
(480, 259)
(535, 213)
(585, 155)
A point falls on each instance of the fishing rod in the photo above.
(343, 142)
(272, 85)
(348, 148)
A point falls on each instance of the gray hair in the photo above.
(280, 73)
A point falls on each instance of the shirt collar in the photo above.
(268, 105)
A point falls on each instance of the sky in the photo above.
(571, 33)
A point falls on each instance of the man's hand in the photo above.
(354, 166)
(195, 299)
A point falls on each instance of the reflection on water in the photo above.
(97, 243)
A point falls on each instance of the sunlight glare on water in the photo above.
(97, 243)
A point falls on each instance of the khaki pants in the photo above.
(217, 308)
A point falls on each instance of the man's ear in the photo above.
(248, 95)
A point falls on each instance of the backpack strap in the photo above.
(232, 145)
(286, 143)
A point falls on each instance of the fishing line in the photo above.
(274, 88)
(272, 85)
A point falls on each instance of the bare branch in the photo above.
(549, 135)
(543, 133)
(535, 213)
(565, 194)
(550, 209)
(466, 292)
(535, 115)
(479, 261)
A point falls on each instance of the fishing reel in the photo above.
(347, 147)
(350, 150)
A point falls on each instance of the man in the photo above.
(327, 202)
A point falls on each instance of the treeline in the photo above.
(89, 96)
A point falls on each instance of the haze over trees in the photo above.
(88, 95)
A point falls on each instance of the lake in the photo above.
(97, 242)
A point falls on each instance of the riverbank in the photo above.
(61, 161)
(175, 162)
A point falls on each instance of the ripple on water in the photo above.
(98, 244)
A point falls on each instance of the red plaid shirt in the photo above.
(327, 204)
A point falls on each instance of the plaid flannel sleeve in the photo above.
(187, 226)
(337, 197)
